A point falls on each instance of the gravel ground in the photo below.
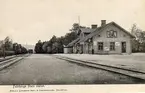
(45, 69)
(135, 61)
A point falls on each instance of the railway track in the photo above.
(127, 72)
(9, 61)
(7, 58)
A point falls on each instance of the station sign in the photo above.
(117, 43)
(106, 48)
(95, 43)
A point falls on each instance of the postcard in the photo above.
(72, 46)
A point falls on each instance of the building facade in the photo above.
(107, 39)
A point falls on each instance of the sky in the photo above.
(27, 21)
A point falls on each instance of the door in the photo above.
(123, 47)
(90, 48)
(81, 49)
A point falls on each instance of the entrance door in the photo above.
(90, 48)
(81, 50)
(123, 47)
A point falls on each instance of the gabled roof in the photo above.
(99, 29)
(86, 30)
(132, 36)
(73, 42)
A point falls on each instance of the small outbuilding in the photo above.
(69, 48)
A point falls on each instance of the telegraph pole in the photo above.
(79, 20)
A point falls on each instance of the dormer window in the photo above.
(112, 34)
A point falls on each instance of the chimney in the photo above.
(94, 26)
(103, 22)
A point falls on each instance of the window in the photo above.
(112, 46)
(100, 45)
(112, 34)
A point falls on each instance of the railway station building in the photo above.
(109, 38)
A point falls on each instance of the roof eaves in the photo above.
(124, 30)
(73, 42)
(95, 32)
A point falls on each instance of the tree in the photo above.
(15, 48)
(53, 39)
(69, 37)
(75, 28)
(44, 46)
(55, 44)
(19, 49)
(55, 47)
(23, 50)
(60, 42)
(49, 50)
(8, 43)
(38, 47)
(139, 41)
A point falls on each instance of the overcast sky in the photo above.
(27, 21)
